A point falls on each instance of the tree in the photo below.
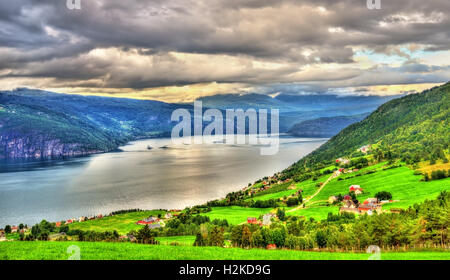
(281, 214)
(236, 235)
(146, 236)
(246, 237)
(200, 240)
(215, 237)
(300, 198)
(8, 229)
(321, 239)
(292, 201)
(383, 195)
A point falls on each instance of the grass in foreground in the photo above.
(186, 240)
(131, 251)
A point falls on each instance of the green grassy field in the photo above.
(318, 213)
(186, 240)
(401, 182)
(123, 223)
(309, 188)
(235, 214)
(131, 251)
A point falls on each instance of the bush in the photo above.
(292, 201)
(438, 174)
(383, 195)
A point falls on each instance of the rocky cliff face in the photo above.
(39, 146)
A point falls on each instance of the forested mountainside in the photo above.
(39, 124)
(324, 127)
(416, 125)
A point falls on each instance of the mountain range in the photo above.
(40, 124)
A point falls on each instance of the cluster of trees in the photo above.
(437, 175)
(293, 201)
(424, 225)
(212, 237)
(8, 228)
(187, 223)
(125, 211)
(92, 236)
(383, 195)
(42, 231)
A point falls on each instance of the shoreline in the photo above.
(133, 206)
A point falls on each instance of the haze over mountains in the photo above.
(40, 124)
(297, 108)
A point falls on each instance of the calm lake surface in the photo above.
(168, 176)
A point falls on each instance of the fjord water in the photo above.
(167, 176)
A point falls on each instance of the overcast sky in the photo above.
(176, 50)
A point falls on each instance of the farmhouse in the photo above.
(155, 225)
(369, 208)
(251, 220)
(370, 201)
(356, 188)
(168, 216)
(332, 199)
(364, 149)
(342, 161)
(147, 221)
(267, 219)
(349, 204)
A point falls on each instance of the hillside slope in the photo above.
(324, 127)
(416, 124)
(39, 124)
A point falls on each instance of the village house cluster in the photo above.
(80, 219)
(266, 184)
(155, 222)
(369, 206)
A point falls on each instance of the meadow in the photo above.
(401, 182)
(131, 251)
(186, 240)
(123, 223)
(235, 214)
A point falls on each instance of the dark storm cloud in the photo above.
(45, 39)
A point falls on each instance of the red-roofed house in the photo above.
(369, 208)
(356, 188)
(252, 220)
(371, 201)
(148, 221)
